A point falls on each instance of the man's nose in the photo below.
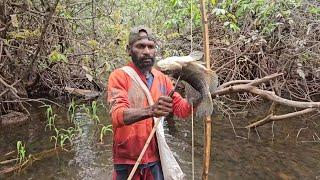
(146, 50)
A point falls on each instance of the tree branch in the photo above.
(270, 95)
(40, 44)
(272, 117)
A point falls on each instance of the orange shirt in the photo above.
(124, 93)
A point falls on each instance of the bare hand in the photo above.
(162, 107)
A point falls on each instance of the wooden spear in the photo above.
(207, 120)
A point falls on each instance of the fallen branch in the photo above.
(14, 90)
(270, 95)
(250, 87)
(30, 160)
(272, 117)
(39, 100)
(1, 46)
(88, 94)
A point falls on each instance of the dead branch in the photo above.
(42, 36)
(270, 95)
(14, 90)
(31, 159)
(233, 83)
(1, 46)
(272, 117)
(250, 87)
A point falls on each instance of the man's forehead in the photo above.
(145, 41)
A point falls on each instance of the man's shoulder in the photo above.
(157, 72)
(117, 73)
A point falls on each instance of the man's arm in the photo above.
(162, 107)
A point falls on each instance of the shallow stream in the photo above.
(286, 150)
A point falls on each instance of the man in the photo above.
(132, 116)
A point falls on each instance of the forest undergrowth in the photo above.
(48, 46)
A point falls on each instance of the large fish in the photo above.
(202, 80)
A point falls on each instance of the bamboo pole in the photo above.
(207, 120)
(143, 150)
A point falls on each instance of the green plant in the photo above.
(55, 56)
(86, 109)
(21, 150)
(56, 137)
(50, 118)
(92, 111)
(264, 13)
(72, 110)
(94, 108)
(104, 130)
(62, 135)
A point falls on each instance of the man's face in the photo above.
(143, 53)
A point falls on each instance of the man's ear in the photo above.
(129, 50)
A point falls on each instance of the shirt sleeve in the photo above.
(181, 107)
(117, 96)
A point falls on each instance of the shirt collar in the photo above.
(142, 76)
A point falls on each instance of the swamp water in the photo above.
(269, 153)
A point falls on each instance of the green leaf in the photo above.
(213, 2)
(93, 43)
(55, 56)
(234, 27)
(314, 10)
(174, 2)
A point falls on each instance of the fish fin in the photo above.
(196, 55)
(199, 62)
(213, 81)
(205, 108)
(191, 94)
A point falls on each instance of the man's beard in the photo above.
(143, 63)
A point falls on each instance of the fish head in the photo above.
(175, 63)
(168, 64)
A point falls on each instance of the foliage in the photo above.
(253, 39)
(55, 56)
(50, 117)
(62, 135)
(104, 131)
(72, 110)
(91, 111)
(21, 152)
(266, 14)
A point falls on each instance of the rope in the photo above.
(191, 37)
(192, 141)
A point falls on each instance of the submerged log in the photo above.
(13, 117)
(88, 94)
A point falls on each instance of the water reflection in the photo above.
(84, 157)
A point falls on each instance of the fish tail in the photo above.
(205, 108)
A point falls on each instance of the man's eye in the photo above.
(141, 46)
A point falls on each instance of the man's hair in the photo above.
(135, 34)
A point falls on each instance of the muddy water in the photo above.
(270, 152)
